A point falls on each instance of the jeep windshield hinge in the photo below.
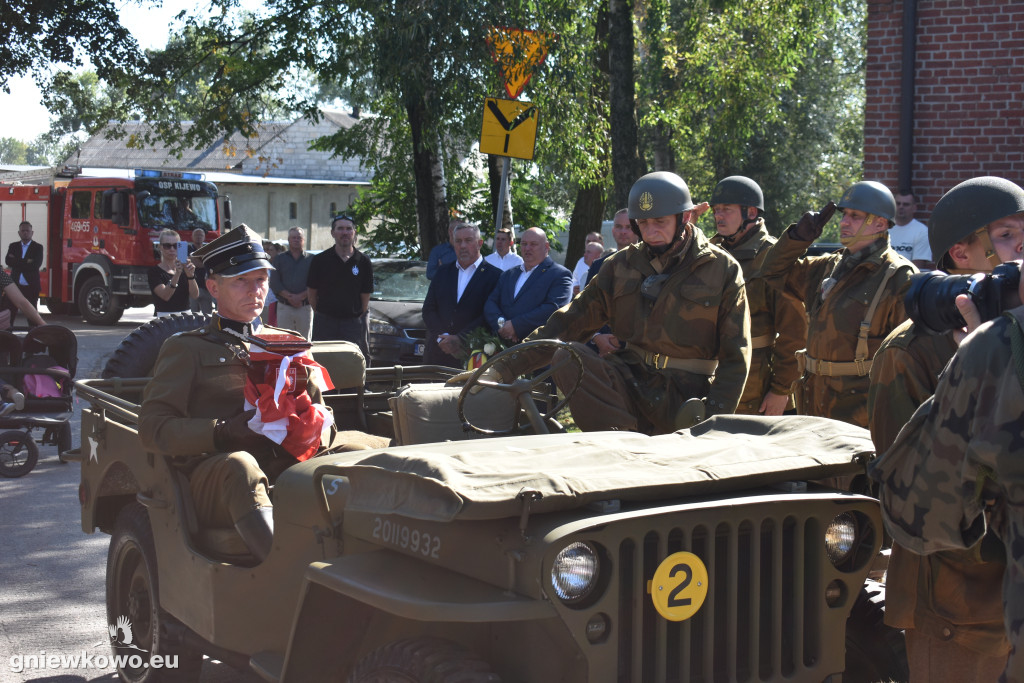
(527, 498)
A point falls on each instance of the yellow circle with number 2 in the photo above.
(679, 586)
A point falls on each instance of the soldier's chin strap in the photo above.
(744, 228)
(858, 237)
(990, 255)
(661, 249)
(990, 251)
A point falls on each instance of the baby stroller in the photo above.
(42, 367)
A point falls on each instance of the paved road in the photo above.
(52, 574)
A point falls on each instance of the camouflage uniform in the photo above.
(699, 313)
(835, 319)
(950, 597)
(955, 469)
(772, 361)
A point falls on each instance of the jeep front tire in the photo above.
(133, 608)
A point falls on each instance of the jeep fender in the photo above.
(346, 593)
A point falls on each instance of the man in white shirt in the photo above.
(454, 305)
(526, 296)
(909, 236)
(579, 273)
(503, 257)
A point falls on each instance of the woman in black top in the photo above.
(166, 276)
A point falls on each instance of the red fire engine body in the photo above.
(100, 235)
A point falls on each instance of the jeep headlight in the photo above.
(574, 573)
(378, 326)
(841, 537)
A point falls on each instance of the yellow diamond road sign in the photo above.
(518, 53)
(509, 128)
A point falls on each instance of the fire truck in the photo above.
(101, 234)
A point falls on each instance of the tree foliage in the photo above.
(758, 87)
(39, 34)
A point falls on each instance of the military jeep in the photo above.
(709, 554)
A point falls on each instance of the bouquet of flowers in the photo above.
(481, 344)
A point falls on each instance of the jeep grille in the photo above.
(755, 624)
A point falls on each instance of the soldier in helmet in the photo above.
(676, 307)
(947, 603)
(778, 326)
(853, 298)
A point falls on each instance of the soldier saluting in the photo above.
(853, 298)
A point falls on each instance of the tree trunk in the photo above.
(587, 214)
(627, 165)
(428, 170)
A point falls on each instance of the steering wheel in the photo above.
(522, 388)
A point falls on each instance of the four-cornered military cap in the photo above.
(233, 253)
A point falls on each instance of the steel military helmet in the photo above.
(658, 194)
(969, 207)
(737, 189)
(871, 198)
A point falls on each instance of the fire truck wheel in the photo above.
(136, 354)
(874, 651)
(422, 659)
(97, 304)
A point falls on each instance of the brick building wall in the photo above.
(969, 94)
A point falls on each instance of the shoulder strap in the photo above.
(865, 325)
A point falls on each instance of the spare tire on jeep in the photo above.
(136, 355)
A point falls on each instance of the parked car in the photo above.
(397, 331)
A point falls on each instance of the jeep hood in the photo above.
(485, 479)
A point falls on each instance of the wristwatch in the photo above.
(501, 322)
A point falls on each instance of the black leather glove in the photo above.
(233, 434)
(810, 225)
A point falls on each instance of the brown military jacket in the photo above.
(950, 595)
(960, 455)
(700, 312)
(773, 366)
(199, 378)
(834, 322)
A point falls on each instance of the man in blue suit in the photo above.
(528, 294)
(455, 300)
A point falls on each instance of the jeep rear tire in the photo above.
(136, 355)
(874, 650)
(422, 660)
(97, 304)
(134, 615)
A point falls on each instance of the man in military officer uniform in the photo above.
(853, 298)
(954, 473)
(677, 311)
(778, 326)
(193, 407)
(947, 603)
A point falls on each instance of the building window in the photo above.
(293, 210)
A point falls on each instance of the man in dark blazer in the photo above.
(25, 258)
(455, 300)
(528, 294)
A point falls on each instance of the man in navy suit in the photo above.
(528, 294)
(25, 258)
(455, 300)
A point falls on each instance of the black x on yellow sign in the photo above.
(509, 128)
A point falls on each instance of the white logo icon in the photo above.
(124, 626)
